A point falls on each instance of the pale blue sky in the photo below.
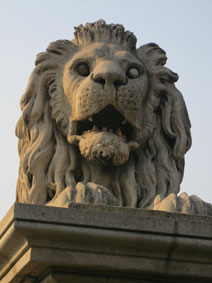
(183, 28)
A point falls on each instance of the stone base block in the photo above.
(90, 243)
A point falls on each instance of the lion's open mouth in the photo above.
(105, 138)
(108, 119)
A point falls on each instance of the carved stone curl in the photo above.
(103, 123)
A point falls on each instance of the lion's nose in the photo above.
(108, 73)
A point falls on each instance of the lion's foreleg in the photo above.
(85, 193)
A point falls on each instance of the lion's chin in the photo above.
(104, 148)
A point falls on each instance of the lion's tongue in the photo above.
(117, 138)
(104, 148)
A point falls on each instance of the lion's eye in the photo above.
(133, 73)
(83, 69)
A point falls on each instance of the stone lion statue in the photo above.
(102, 122)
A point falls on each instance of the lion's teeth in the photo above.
(90, 119)
(104, 154)
(118, 132)
(73, 128)
(86, 132)
(133, 145)
(95, 128)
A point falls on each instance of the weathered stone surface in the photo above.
(58, 277)
(104, 123)
(103, 244)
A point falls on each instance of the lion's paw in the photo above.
(181, 204)
(93, 193)
(84, 193)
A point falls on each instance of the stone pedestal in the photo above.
(89, 243)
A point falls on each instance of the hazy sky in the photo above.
(183, 28)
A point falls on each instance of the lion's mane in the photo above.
(49, 164)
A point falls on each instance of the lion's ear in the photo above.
(174, 117)
(151, 54)
(175, 121)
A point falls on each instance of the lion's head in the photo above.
(98, 110)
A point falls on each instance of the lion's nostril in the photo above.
(110, 77)
(100, 81)
(117, 83)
